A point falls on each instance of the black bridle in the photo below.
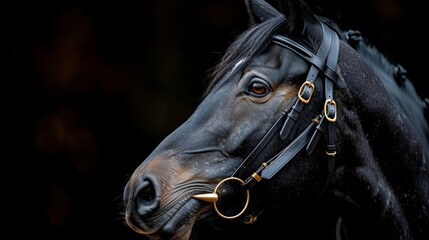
(323, 62)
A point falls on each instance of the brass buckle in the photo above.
(332, 154)
(331, 102)
(301, 89)
(213, 197)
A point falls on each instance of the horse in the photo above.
(300, 119)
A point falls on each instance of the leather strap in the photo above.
(306, 90)
(328, 50)
(263, 143)
(310, 57)
(288, 153)
(271, 167)
(331, 110)
(328, 116)
(293, 148)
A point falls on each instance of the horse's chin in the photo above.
(182, 232)
(179, 225)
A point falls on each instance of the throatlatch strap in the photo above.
(330, 110)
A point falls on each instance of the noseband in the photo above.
(324, 62)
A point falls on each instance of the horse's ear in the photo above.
(299, 16)
(260, 11)
(297, 12)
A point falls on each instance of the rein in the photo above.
(324, 62)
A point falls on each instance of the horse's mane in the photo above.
(394, 79)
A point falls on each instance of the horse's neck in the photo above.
(383, 170)
(369, 205)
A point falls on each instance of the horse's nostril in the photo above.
(146, 196)
(146, 193)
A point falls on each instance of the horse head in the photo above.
(268, 132)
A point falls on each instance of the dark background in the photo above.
(90, 88)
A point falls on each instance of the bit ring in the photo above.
(245, 205)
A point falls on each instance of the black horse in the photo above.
(300, 120)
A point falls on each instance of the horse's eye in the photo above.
(258, 88)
